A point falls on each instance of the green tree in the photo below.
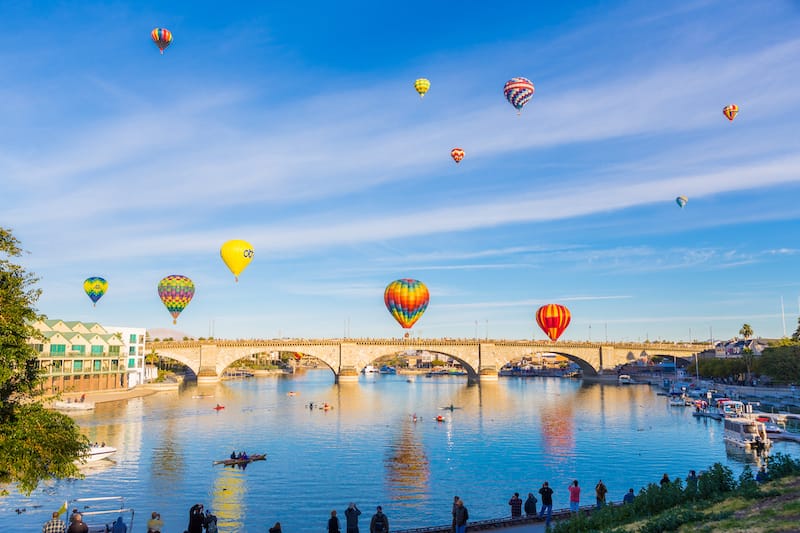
(35, 444)
(748, 358)
(746, 331)
(781, 363)
(796, 334)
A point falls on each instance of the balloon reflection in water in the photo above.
(557, 431)
(407, 467)
(228, 497)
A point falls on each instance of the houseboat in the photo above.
(746, 433)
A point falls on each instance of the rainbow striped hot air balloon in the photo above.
(162, 37)
(730, 111)
(406, 299)
(553, 319)
(176, 292)
(518, 92)
(422, 85)
(95, 287)
(457, 154)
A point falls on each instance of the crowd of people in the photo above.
(201, 520)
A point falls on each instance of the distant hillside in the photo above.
(165, 333)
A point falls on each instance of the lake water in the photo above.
(504, 437)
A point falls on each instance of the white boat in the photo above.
(624, 379)
(369, 369)
(746, 433)
(61, 405)
(97, 453)
(677, 402)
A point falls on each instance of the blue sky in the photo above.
(296, 127)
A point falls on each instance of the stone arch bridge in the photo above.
(347, 357)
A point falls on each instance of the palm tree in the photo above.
(746, 331)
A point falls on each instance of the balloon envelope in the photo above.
(422, 85)
(457, 154)
(95, 287)
(237, 254)
(553, 319)
(406, 299)
(681, 201)
(518, 92)
(176, 292)
(730, 111)
(162, 37)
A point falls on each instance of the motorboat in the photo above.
(98, 453)
(746, 433)
(61, 405)
(369, 369)
(624, 379)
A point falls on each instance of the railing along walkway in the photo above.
(500, 523)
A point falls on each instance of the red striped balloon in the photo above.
(457, 154)
(553, 319)
(162, 37)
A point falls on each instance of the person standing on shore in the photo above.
(155, 523)
(574, 496)
(333, 523)
(629, 497)
(351, 515)
(530, 505)
(664, 481)
(276, 528)
(54, 525)
(462, 515)
(516, 505)
(379, 523)
(77, 525)
(455, 506)
(547, 502)
(600, 491)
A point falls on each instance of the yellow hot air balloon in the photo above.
(422, 85)
(237, 254)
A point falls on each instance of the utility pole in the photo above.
(476, 330)
(606, 327)
(590, 333)
(783, 317)
(487, 329)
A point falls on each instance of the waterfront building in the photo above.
(133, 347)
(85, 356)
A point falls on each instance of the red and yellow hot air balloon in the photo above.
(457, 154)
(553, 319)
(730, 111)
(162, 37)
(406, 299)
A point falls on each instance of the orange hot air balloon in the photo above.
(457, 154)
(730, 111)
(553, 319)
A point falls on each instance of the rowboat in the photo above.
(250, 459)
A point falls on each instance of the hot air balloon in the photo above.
(681, 201)
(730, 111)
(176, 292)
(406, 299)
(237, 254)
(162, 37)
(553, 319)
(518, 92)
(457, 154)
(95, 288)
(422, 85)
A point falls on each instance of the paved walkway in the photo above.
(109, 395)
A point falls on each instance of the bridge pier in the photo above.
(208, 364)
(347, 375)
(488, 374)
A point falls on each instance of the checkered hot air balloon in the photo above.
(730, 111)
(95, 287)
(162, 37)
(422, 85)
(457, 154)
(553, 319)
(406, 299)
(518, 92)
(176, 292)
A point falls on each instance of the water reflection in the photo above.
(227, 498)
(407, 469)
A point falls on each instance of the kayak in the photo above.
(250, 459)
